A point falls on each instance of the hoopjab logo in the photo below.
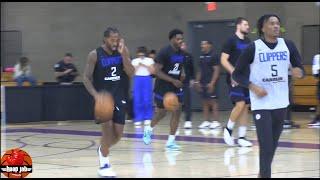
(16, 163)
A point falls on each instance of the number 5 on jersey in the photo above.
(274, 70)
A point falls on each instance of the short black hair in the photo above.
(23, 61)
(240, 19)
(264, 19)
(68, 54)
(110, 30)
(208, 41)
(153, 51)
(142, 49)
(174, 32)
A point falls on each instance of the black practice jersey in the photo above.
(109, 74)
(172, 62)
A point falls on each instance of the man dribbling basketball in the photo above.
(168, 67)
(106, 66)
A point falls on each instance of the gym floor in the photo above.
(69, 149)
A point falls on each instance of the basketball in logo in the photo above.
(16, 163)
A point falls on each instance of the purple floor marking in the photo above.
(160, 137)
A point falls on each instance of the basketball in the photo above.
(104, 107)
(16, 158)
(170, 101)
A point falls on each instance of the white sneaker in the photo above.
(106, 171)
(228, 139)
(187, 125)
(214, 125)
(204, 124)
(243, 142)
(147, 122)
(137, 123)
(314, 123)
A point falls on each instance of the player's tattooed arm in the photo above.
(88, 73)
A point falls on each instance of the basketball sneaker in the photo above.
(314, 122)
(138, 123)
(172, 146)
(204, 124)
(227, 136)
(147, 133)
(243, 142)
(187, 125)
(105, 169)
(214, 124)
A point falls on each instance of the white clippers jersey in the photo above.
(269, 70)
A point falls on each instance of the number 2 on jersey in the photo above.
(114, 70)
(176, 67)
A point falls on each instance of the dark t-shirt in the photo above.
(206, 64)
(234, 46)
(242, 68)
(172, 62)
(109, 74)
(61, 67)
(188, 67)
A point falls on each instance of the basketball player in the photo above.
(168, 69)
(238, 95)
(104, 71)
(206, 82)
(263, 68)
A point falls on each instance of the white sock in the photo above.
(242, 131)
(230, 124)
(171, 138)
(102, 159)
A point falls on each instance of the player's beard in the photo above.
(112, 48)
(178, 46)
(245, 32)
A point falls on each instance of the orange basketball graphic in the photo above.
(16, 163)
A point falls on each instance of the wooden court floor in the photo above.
(69, 149)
